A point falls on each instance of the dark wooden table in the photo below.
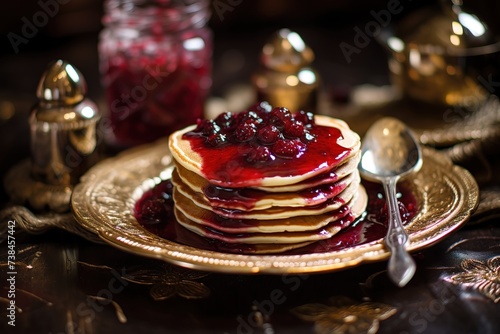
(67, 285)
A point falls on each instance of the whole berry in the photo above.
(245, 132)
(293, 129)
(209, 127)
(216, 139)
(306, 117)
(268, 134)
(280, 115)
(225, 120)
(286, 148)
(251, 117)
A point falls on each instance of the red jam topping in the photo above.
(239, 150)
(235, 213)
(236, 225)
(245, 198)
(154, 211)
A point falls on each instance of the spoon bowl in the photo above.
(390, 151)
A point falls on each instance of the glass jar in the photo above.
(155, 62)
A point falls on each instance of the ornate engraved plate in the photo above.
(104, 202)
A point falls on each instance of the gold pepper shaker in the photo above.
(286, 77)
(63, 128)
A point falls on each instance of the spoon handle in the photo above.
(401, 265)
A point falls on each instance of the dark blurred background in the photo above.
(240, 28)
(244, 26)
(239, 34)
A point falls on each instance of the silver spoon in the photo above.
(388, 152)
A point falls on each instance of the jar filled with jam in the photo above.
(155, 62)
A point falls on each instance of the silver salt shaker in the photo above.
(63, 126)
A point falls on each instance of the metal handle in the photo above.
(401, 266)
(35, 224)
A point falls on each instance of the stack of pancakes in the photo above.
(274, 214)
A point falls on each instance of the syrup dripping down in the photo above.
(369, 227)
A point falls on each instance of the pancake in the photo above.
(333, 175)
(322, 233)
(184, 155)
(293, 224)
(338, 172)
(254, 199)
(266, 181)
(266, 238)
(270, 213)
(235, 247)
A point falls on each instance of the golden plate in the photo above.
(104, 202)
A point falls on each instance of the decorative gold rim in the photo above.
(104, 200)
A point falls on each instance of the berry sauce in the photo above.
(246, 198)
(154, 211)
(240, 214)
(239, 150)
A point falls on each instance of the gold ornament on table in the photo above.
(286, 77)
(345, 315)
(169, 281)
(483, 277)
